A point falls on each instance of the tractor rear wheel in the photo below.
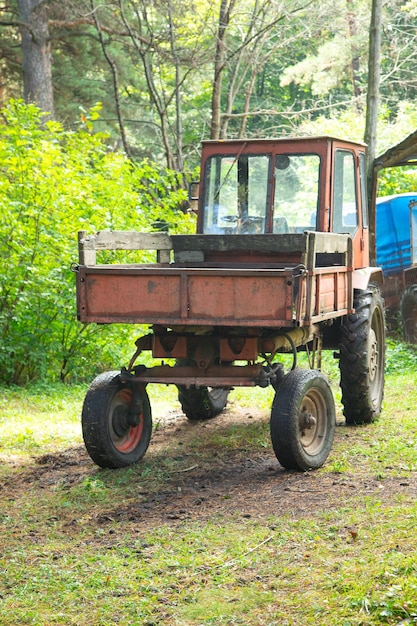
(408, 309)
(202, 403)
(362, 358)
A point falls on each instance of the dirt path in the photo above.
(220, 484)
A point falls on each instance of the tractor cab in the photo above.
(284, 186)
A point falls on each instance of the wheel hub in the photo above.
(373, 355)
(311, 422)
(308, 420)
(120, 420)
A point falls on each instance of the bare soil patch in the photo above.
(222, 484)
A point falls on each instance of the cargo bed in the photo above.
(205, 280)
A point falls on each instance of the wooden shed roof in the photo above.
(402, 154)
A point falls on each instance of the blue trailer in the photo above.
(396, 254)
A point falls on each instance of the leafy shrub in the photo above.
(54, 183)
(401, 357)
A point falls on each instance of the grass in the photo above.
(84, 546)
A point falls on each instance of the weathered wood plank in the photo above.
(288, 242)
(122, 240)
(403, 153)
(225, 243)
(86, 248)
(131, 240)
(329, 243)
(194, 246)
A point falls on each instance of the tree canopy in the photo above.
(171, 72)
(53, 183)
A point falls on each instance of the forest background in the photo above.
(104, 106)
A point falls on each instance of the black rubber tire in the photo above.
(110, 440)
(202, 403)
(408, 308)
(362, 358)
(301, 396)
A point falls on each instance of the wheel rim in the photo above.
(215, 392)
(376, 355)
(312, 422)
(124, 436)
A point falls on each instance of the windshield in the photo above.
(296, 192)
(261, 193)
(236, 194)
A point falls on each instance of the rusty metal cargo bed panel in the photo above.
(185, 296)
(173, 296)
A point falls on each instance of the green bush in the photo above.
(54, 183)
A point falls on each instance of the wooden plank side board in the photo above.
(88, 245)
(132, 240)
(330, 243)
(306, 244)
(288, 242)
(323, 294)
(245, 243)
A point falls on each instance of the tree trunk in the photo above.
(115, 78)
(142, 46)
(36, 53)
(219, 61)
(354, 64)
(179, 166)
(372, 100)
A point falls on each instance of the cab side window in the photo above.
(362, 170)
(345, 205)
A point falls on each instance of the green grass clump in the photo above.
(280, 571)
(39, 418)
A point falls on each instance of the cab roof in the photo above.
(288, 139)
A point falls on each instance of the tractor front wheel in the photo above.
(114, 435)
(303, 420)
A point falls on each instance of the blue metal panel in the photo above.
(393, 244)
